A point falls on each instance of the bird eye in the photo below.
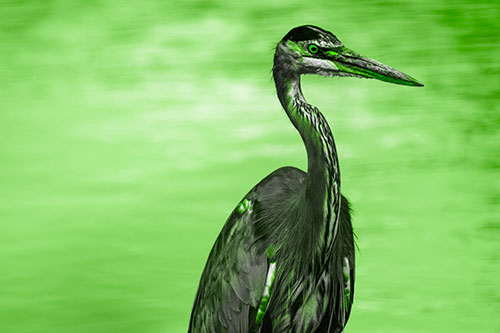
(313, 48)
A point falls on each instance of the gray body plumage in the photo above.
(308, 294)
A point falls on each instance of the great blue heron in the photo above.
(284, 260)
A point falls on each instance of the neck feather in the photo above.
(322, 191)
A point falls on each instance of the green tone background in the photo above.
(130, 130)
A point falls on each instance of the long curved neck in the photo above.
(322, 191)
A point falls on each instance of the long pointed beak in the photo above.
(349, 62)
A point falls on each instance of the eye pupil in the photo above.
(313, 48)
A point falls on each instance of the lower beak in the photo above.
(349, 62)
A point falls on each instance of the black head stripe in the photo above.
(309, 32)
(305, 32)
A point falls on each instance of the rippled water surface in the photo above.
(130, 130)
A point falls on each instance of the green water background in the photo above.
(129, 130)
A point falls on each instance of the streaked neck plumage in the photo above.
(322, 191)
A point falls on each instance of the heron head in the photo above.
(311, 50)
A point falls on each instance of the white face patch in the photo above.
(314, 65)
(326, 44)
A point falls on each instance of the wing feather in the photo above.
(234, 277)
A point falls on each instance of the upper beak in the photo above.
(350, 62)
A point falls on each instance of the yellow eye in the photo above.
(313, 48)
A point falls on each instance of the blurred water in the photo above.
(129, 132)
